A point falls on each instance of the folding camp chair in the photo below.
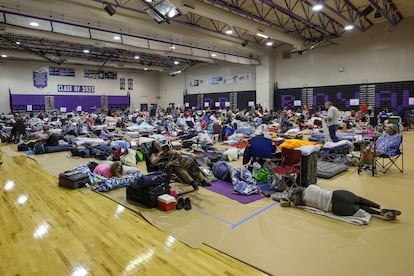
(147, 150)
(291, 165)
(261, 148)
(385, 161)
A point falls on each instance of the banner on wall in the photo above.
(130, 84)
(99, 74)
(216, 80)
(122, 83)
(62, 72)
(76, 88)
(221, 80)
(40, 78)
(194, 83)
(244, 77)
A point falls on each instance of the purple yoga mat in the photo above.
(226, 189)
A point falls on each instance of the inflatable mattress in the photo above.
(326, 169)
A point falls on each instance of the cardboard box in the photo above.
(166, 202)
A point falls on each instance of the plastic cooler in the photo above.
(166, 202)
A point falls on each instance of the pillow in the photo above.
(308, 150)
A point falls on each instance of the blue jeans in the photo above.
(332, 133)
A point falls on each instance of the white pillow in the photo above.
(308, 150)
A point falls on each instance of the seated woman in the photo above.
(106, 134)
(184, 166)
(388, 144)
(339, 202)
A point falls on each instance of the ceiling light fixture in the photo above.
(117, 37)
(176, 62)
(349, 27)
(317, 7)
(213, 55)
(172, 47)
(146, 69)
(86, 51)
(34, 24)
(3, 56)
(171, 13)
(136, 57)
(262, 35)
(269, 43)
(229, 31)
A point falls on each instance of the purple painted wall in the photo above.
(71, 102)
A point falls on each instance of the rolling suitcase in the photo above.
(73, 179)
(147, 196)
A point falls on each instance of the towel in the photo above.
(361, 217)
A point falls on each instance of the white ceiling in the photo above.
(197, 33)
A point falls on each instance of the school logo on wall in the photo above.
(40, 78)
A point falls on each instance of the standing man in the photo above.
(332, 120)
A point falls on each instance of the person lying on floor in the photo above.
(389, 142)
(339, 202)
(184, 166)
(115, 169)
(52, 139)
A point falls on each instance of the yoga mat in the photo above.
(226, 189)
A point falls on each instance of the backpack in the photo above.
(150, 180)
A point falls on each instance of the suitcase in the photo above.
(147, 196)
(73, 179)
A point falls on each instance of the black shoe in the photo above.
(195, 185)
(205, 183)
(187, 204)
(180, 204)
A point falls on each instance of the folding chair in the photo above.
(260, 148)
(291, 165)
(385, 161)
(147, 150)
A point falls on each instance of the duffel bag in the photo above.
(150, 180)
(147, 196)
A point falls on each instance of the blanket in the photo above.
(102, 184)
(361, 217)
